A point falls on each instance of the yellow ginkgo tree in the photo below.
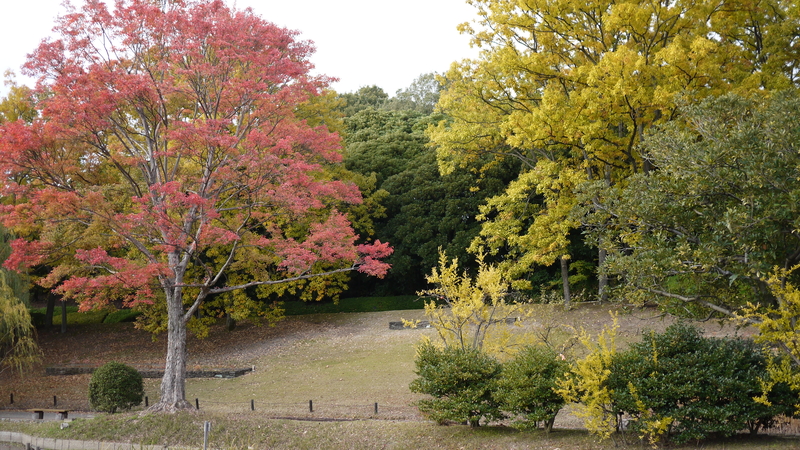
(571, 88)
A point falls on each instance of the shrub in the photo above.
(115, 386)
(526, 387)
(688, 387)
(460, 380)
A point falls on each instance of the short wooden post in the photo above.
(310, 406)
(197, 403)
(12, 398)
(146, 401)
(55, 401)
(252, 405)
(376, 407)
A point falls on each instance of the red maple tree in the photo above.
(167, 153)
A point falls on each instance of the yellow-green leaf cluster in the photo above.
(579, 84)
(472, 314)
(779, 326)
(18, 348)
(586, 384)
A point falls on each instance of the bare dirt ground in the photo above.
(94, 345)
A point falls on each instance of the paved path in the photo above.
(14, 441)
(15, 414)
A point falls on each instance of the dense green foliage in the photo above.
(353, 305)
(720, 212)
(460, 380)
(115, 386)
(690, 387)
(425, 210)
(526, 387)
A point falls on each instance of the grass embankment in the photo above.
(250, 431)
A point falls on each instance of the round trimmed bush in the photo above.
(460, 382)
(526, 387)
(688, 387)
(115, 386)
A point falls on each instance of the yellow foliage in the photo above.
(654, 427)
(571, 88)
(585, 385)
(779, 326)
(472, 314)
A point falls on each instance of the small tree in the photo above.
(526, 388)
(778, 326)
(460, 380)
(587, 385)
(18, 348)
(465, 312)
(115, 386)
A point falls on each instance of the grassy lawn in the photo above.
(251, 431)
(345, 363)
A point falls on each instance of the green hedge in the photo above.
(689, 387)
(356, 304)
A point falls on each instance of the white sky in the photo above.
(361, 42)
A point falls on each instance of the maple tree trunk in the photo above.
(173, 384)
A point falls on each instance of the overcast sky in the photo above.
(361, 42)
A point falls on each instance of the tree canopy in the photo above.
(166, 154)
(720, 213)
(570, 89)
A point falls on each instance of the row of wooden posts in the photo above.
(197, 403)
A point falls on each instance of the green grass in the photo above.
(73, 316)
(356, 304)
(251, 431)
(349, 363)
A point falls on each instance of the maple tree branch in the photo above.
(270, 282)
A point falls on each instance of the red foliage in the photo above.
(164, 136)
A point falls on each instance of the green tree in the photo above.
(424, 209)
(365, 97)
(526, 388)
(570, 89)
(18, 348)
(708, 227)
(421, 96)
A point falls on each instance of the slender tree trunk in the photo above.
(51, 307)
(173, 384)
(602, 281)
(63, 316)
(565, 280)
